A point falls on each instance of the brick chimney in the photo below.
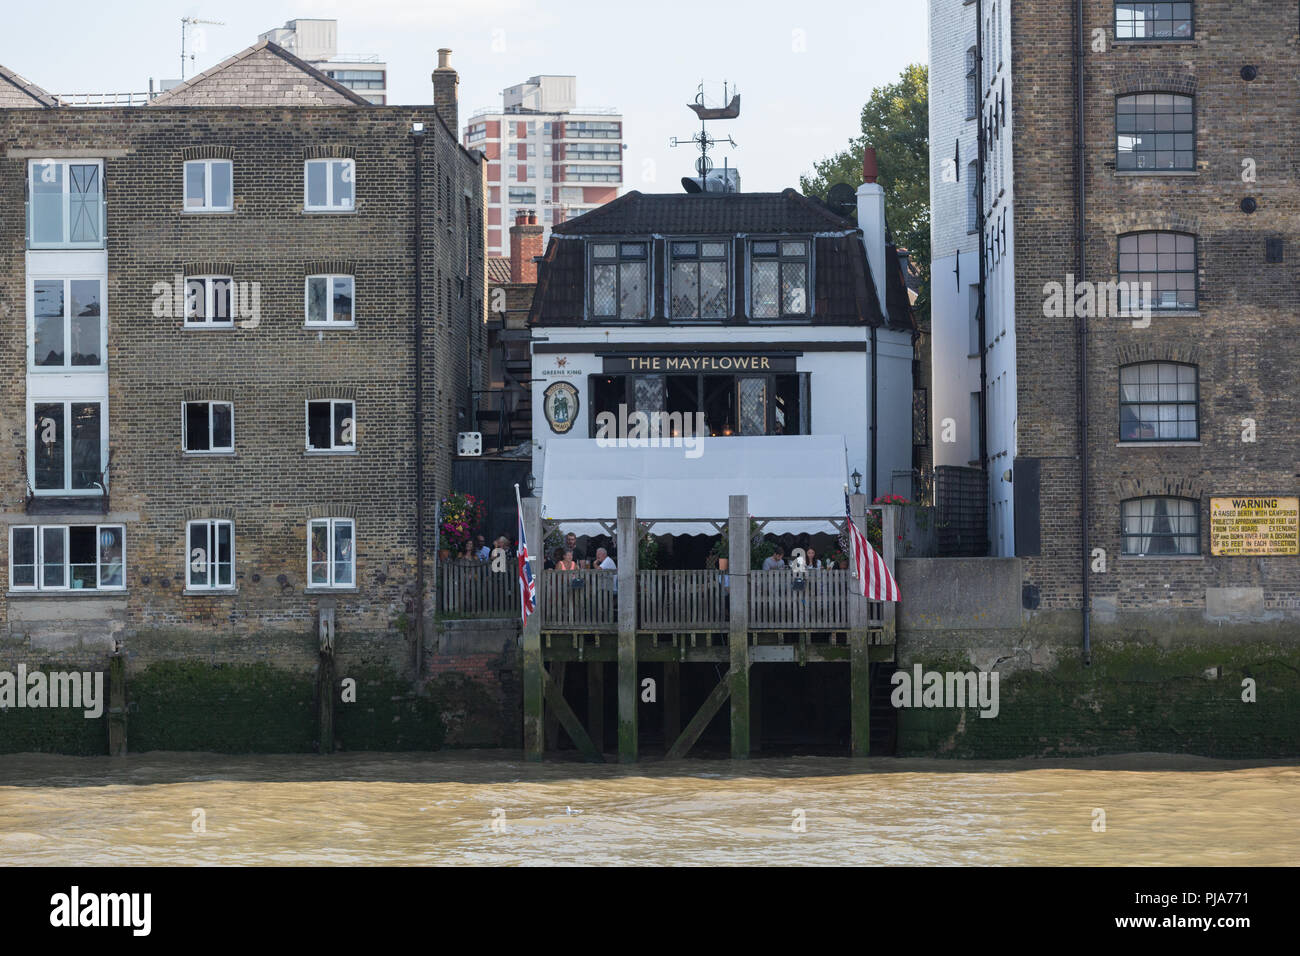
(445, 97)
(525, 246)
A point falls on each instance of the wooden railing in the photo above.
(473, 589)
(581, 600)
(779, 602)
(684, 600)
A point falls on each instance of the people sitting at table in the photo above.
(565, 560)
(776, 560)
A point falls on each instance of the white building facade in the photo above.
(972, 217)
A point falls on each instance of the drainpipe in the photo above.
(417, 343)
(981, 310)
(1080, 271)
(874, 389)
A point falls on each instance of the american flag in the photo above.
(527, 586)
(874, 579)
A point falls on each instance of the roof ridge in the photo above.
(275, 48)
(26, 86)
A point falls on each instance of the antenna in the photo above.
(186, 23)
(702, 139)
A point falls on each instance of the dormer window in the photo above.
(779, 278)
(619, 281)
(699, 280)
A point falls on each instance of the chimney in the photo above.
(445, 99)
(871, 220)
(525, 247)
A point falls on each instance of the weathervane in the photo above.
(702, 139)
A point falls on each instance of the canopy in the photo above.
(796, 476)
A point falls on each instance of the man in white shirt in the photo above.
(605, 563)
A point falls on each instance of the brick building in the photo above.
(1184, 177)
(210, 371)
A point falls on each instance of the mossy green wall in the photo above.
(1131, 699)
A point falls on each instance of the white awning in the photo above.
(796, 476)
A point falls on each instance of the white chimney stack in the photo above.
(871, 220)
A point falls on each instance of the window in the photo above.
(1152, 21)
(209, 185)
(739, 404)
(55, 558)
(522, 194)
(208, 302)
(210, 555)
(779, 278)
(619, 280)
(1156, 526)
(1165, 260)
(68, 324)
(331, 425)
(972, 86)
(328, 185)
(1158, 402)
(65, 207)
(66, 450)
(699, 280)
(1155, 131)
(592, 130)
(593, 174)
(330, 299)
(596, 151)
(331, 553)
(208, 426)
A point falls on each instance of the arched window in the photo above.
(1158, 402)
(1161, 526)
(1166, 261)
(1155, 131)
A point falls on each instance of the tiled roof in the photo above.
(17, 92)
(498, 269)
(636, 213)
(265, 74)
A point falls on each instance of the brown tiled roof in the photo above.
(498, 269)
(635, 213)
(265, 74)
(17, 92)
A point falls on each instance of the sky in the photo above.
(804, 70)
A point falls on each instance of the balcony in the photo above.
(60, 220)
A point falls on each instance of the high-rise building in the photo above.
(316, 41)
(545, 156)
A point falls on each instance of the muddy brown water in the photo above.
(469, 807)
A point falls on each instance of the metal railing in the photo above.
(104, 99)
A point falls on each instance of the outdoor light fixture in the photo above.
(530, 482)
(857, 481)
(417, 129)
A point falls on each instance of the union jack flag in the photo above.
(527, 586)
(874, 579)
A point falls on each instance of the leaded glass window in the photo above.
(779, 278)
(699, 280)
(619, 281)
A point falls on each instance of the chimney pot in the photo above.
(444, 58)
(870, 169)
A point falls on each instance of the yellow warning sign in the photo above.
(1245, 526)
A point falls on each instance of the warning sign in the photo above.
(1245, 526)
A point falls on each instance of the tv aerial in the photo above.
(704, 141)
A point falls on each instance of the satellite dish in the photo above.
(842, 199)
(703, 165)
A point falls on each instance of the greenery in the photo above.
(647, 548)
(896, 122)
(759, 548)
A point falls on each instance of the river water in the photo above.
(466, 807)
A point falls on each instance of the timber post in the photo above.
(531, 638)
(859, 650)
(116, 704)
(738, 569)
(596, 703)
(625, 600)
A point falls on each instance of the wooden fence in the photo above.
(778, 601)
(581, 600)
(474, 590)
(687, 600)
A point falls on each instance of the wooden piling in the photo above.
(672, 701)
(628, 696)
(117, 705)
(859, 651)
(738, 561)
(534, 692)
(596, 703)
